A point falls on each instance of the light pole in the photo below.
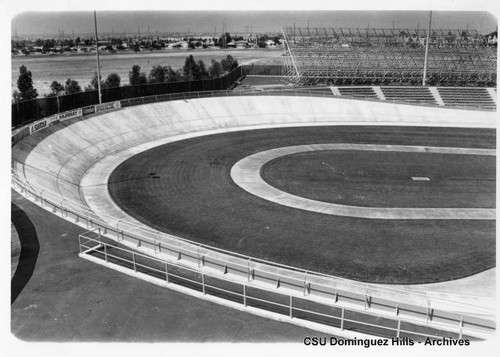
(97, 55)
(424, 76)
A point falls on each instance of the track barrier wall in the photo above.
(58, 194)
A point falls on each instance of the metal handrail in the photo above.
(245, 297)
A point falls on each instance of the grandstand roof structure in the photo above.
(373, 56)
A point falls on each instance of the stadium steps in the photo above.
(379, 93)
(335, 91)
(409, 94)
(470, 97)
(493, 94)
(436, 95)
(364, 92)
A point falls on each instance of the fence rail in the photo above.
(404, 305)
(293, 306)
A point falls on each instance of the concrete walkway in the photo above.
(246, 174)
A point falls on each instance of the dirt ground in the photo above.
(46, 69)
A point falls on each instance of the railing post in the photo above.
(250, 271)
(291, 306)
(154, 243)
(198, 254)
(105, 253)
(399, 328)
(367, 300)
(203, 282)
(166, 272)
(118, 230)
(342, 319)
(305, 284)
(63, 209)
(133, 259)
(80, 243)
(461, 327)
(244, 295)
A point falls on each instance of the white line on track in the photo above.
(246, 174)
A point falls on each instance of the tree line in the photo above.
(136, 44)
(191, 71)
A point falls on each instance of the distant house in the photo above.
(182, 44)
(241, 44)
(270, 43)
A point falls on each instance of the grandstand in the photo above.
(467, 96)
(363, 92)
(420, 94)
(387, 57)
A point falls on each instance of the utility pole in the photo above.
(424, 76)
(97, 55)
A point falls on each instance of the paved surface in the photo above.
(246, 173)
(70, 299)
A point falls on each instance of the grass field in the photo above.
(46, 69)
(194, 197)
(384, 179)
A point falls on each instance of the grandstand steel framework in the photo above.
(387, 56)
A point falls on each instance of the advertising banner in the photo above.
(42, 124)
(88, 110)
(107, 106)
(70, 114)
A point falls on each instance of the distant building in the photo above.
(241, 44)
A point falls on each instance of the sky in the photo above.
(78, 23)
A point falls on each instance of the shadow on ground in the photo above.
(29, 251)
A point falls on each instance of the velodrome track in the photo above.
(75, 158)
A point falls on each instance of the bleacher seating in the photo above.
(471, 97)
(365, 92)
(387, 57)
(409, 94)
